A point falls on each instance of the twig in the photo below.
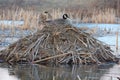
(52, 57)
(78, 77)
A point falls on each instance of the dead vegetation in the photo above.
(65, 44)
(31, 16)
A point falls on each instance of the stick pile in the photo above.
(66, 44)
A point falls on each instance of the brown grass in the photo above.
(31, 17)
(104, 16)
(86, 16)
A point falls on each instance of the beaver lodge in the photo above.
(59, 45)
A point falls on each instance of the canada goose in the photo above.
(118, 78)
(48, 15)
(65, 16)
(44, 17)
(64, 21)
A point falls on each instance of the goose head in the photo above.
(65, 16)
(46, 12)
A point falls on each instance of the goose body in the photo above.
(48, 16)
(63, 21)
(45, 17)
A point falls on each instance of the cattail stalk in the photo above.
(117, 41)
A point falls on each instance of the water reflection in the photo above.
(112, 73)
(4, 75)
(62, 72)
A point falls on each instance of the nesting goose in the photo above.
(65, 20)
(45, 17)
(48, 15)
(42, 17)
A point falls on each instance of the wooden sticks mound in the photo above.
(65, 45)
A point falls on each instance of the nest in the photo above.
(58, 45)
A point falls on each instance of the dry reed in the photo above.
(104, 16)
(31, 17)
(86, 16)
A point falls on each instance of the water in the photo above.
(113, 27)
(10, 22)
(109, 39)
(61, 72)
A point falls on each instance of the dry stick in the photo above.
(63, 58)
(91, 56)
(92, 42)
(31, 46)
(53, 77)
(66, 60)
(72, 29)
(73, 57)
(116, 41)
(109, 52)
(95, 59)
(76, 52)
(81, 41)
(12, 51)
(46, 40)
(88, 42)
(48, 58)
(78, 77)
(28, 49)
(76, 58)
(35, 51)
(68, 48)
(57, 50)
(73, 54)
(37, 45)
(80, 60)
(106, 53)
(101, 53)
(64, 53)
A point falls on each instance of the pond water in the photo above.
(113, 27)
(109, 39)
(61, 72)
(10, 22)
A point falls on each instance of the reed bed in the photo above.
(87, 16)
(104, 16)
(31, 17)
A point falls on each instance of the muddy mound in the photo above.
(66, 44)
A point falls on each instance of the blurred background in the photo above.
(63, 4)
